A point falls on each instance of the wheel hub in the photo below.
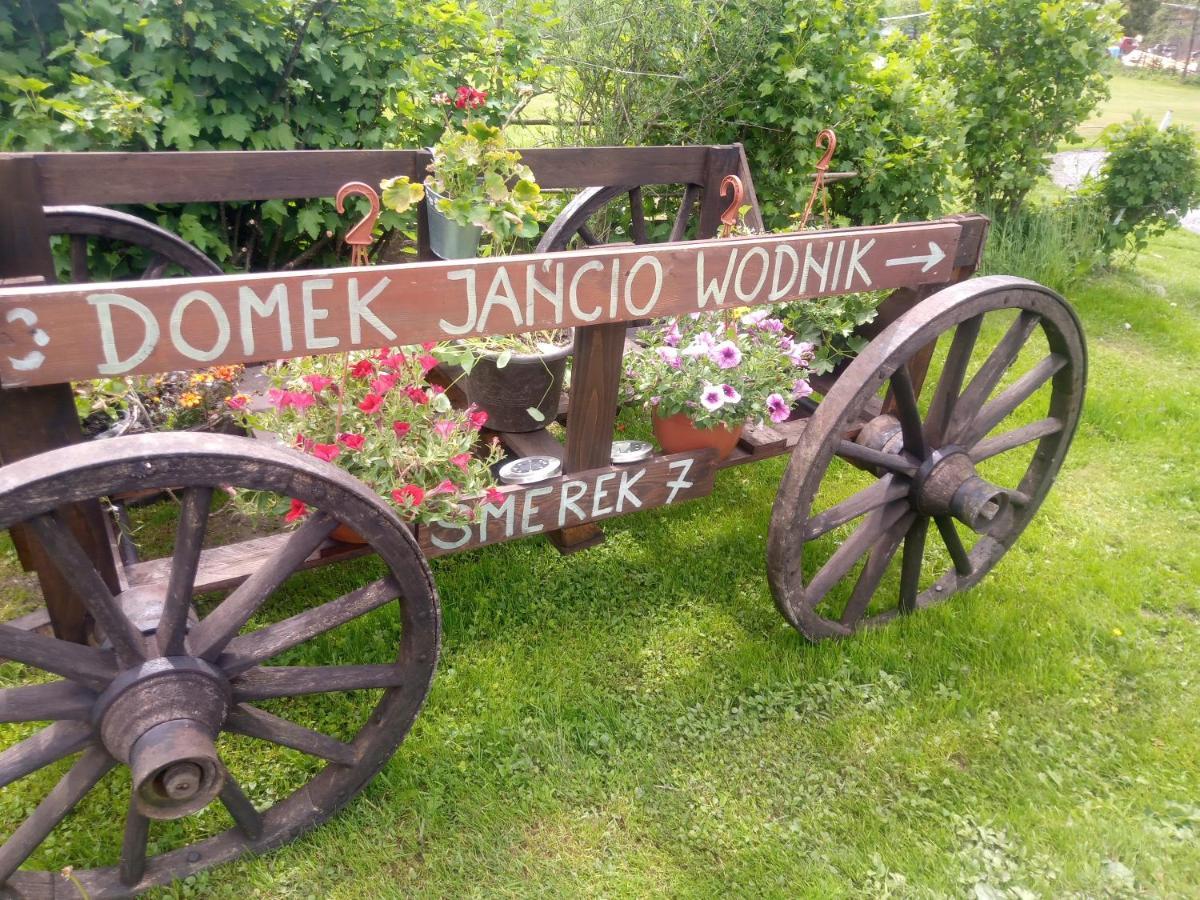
(948, 485)
(161, 718)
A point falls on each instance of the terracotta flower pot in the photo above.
(677, 433)
(346, 535)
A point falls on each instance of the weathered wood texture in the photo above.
(55, 334)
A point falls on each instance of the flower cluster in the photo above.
(174, 401)
(378, 417)
(720, 368)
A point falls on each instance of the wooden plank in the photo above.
(63, 333)
(761, 439)
(572, 500)
(42, 418)
(200, 176)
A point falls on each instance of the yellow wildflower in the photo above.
(190, 399)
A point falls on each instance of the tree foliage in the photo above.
(252, 74)
(1026, 73)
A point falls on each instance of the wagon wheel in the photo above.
(80, 223)
(574, 220)
(158, 693)
(977, 461)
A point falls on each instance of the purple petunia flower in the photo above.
(786, 344)
(775, 326)
(801, 388)
(711, 397)
(777, 407)
(731, 395)
(726, 355)
(670, 356)
(752, 318)
(801, 354)
(672, 338)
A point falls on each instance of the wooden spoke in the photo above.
(691, 193)
(908, 413)
(953, 542)
(1017, 498)
(891, 461)
(72, 788)
(79, 259)
(998, 362)
(876, 525)
(133, 847)
(880, 493)
(240, 807)
(910, 566)
(75, 661)
(209, 638)
(259, 723)
(193, 518)
(945, 397)
(49, 745)
(1018, 437)
(872, 573)
(588, 236)
(154, 268)
(293, 681)
(248, 650)
(77, 570)
(637, 217)
(1000, 407)
(45, 702)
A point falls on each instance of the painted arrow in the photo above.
(935, 256)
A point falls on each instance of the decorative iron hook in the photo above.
(359, 236)
(826, 140)
(729, 218)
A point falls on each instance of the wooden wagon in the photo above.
(958, 373)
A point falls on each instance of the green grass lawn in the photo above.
(1150, 96)
(637, 719)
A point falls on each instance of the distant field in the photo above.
(1152, 97)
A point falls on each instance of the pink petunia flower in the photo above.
(300, 400)
(755, 316)
(462, 460)
(327, 452)
(353, 441)
(298, 511)
(383, 384)
(370, 403)
(493, 495)
(237, 401)
(477, 417)
(446, 487)
(726, 355)
(428, 345)
(443, 428)
(428, 363)
(801, 354)
(416, 395)
(730, 393)
(672, 338)
(711, 397)
(778, 407)
(277, 398)
(801, 388)
(318, 383)
(670, 356)
(411, 495)
(362, 369)
(401, 429)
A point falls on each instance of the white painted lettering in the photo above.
(464, 536)
(599, 494)
(500, 292)
(506, 510)
(467, 275)
(811, 264)
(573, 293)
(113, 364)
(780, 289)
(711, 290)
(222, 320)
(681, 483)
(249, 305)
(837, 266)
(625, 495)
(856, 256)
(534, 287)
(613, 289)
(360, 310)
(742, 294)
(632, 307)
(313, 314)
(572, 492)
(530, 508)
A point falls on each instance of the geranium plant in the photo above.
(719, 368)
(378, 417)
(477, 178)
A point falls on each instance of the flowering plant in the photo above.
(376, 416)
(173, 401)
(478, 179)
(719, 371)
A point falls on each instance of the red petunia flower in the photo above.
(411, 495)
(300, 400)
(327, 452)
(318, 382)
(428, 363)
(277, 398)
(383, 383)
(446, 487)
(370, 403)
(297, 512)
(362, 369)
(494, 495)
(353, 441)
(478, 418)
(401, 429)
(416, 395)
(238, 401)
(428, 345)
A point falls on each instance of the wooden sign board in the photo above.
(55, 334)
(574, 499)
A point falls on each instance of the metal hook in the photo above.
(359, 236)
(826, 140)
(729, 218)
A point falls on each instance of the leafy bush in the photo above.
(252, 74)
(1026, 72)
(1149, 179)
(770, 74)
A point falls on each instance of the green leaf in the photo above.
(503, 359)
(308, 220)
(536, 414)
(234, 126)
(179, 130)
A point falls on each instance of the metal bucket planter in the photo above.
(529, 380)
(448, 239)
